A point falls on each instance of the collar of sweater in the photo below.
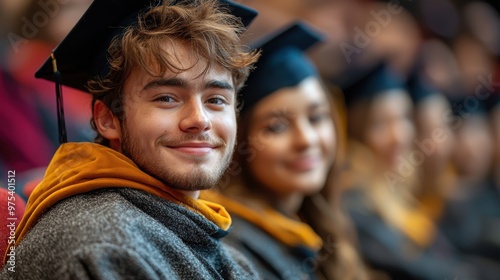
(78, 168)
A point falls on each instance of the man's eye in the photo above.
(167, 99)
(216, 101)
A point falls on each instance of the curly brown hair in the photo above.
(205, 26)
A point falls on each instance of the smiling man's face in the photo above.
(180, 128)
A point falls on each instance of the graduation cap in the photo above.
(365, 82)
(472, 104)
(82, 55)
(464, 106)
(419, 88)
(464, 103)
(282, 63)
(493, 101)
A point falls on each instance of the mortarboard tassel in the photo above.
(59, 99)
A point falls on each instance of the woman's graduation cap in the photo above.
(282, 63)
(419, 88)
(82, 55)
(366, 81)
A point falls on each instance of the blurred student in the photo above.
(394, 235)
(464, 215)
(477, 51)
(283, 164)
(472, 215)
(434, 142)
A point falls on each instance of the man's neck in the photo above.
(193, 194)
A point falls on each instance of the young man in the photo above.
(164, 78)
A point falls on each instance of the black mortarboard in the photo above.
(282, 63)
(419, 88)
(493, 100)
(82, 55)
(467, 105)
(364, 82)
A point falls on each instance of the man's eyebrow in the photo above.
(218, 84)
(182, 83)
(167, 82)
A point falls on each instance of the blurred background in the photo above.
(416, 82)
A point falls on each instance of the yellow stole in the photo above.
(288, 231)
(410, 220)
(395, 209)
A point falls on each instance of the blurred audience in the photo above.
(29, 135)
(395, 235)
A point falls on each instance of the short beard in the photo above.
(192, 180)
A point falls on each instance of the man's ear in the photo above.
(106, 122)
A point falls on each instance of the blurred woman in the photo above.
(435, 140)
(472, 215)
(277, 190)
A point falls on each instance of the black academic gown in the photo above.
(272, 258)
(388, 249)
(473, 223)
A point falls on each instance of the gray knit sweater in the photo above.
(125, 234)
